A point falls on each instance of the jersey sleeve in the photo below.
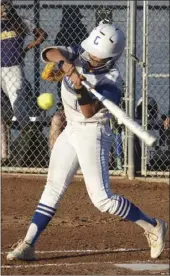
(71, 52)
(74, 52)
(110, 91)
(62, 48)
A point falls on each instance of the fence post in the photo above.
(132, 86)
(126, 96)
(37, 50)
(144, 84)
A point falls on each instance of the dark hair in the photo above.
(152, 109)
(71, 16)
(16, 21)
(72, 30)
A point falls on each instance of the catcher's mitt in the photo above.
(51, 74)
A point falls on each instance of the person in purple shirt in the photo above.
(15, 100)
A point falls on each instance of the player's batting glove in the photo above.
(51, 74)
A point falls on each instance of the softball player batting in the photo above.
(87, 138)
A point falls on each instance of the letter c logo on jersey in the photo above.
(96, 41)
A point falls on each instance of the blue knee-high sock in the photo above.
(129, 211)
(40, 220)
(135, 214)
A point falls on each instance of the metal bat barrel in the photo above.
(144, 135)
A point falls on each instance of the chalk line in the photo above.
(134, 266)
(109, 250)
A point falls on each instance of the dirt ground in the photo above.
(80, 240)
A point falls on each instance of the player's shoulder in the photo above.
(74, 51)
(110, 86)
(113, 73)
(114, 77)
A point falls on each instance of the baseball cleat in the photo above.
(22, 251)
(156, 238)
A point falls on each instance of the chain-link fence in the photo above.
(156, 98)
(28, 134)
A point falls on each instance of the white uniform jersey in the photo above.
(107, 82)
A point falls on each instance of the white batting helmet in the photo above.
(105, 41)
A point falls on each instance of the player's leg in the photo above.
(92, 147)
(57, 126)
(12, 78)
(63, 165)
(21, 98)
(118, 148)
(4, 142)
(6, 119)
(58, 121)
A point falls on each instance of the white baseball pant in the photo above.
(87, 145)
(17, 94)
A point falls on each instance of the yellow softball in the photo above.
(46, 101)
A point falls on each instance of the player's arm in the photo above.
(56, 55)
(89, 110)
(61, 56)
(40, 37)
(88, 105)
(39, 34)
